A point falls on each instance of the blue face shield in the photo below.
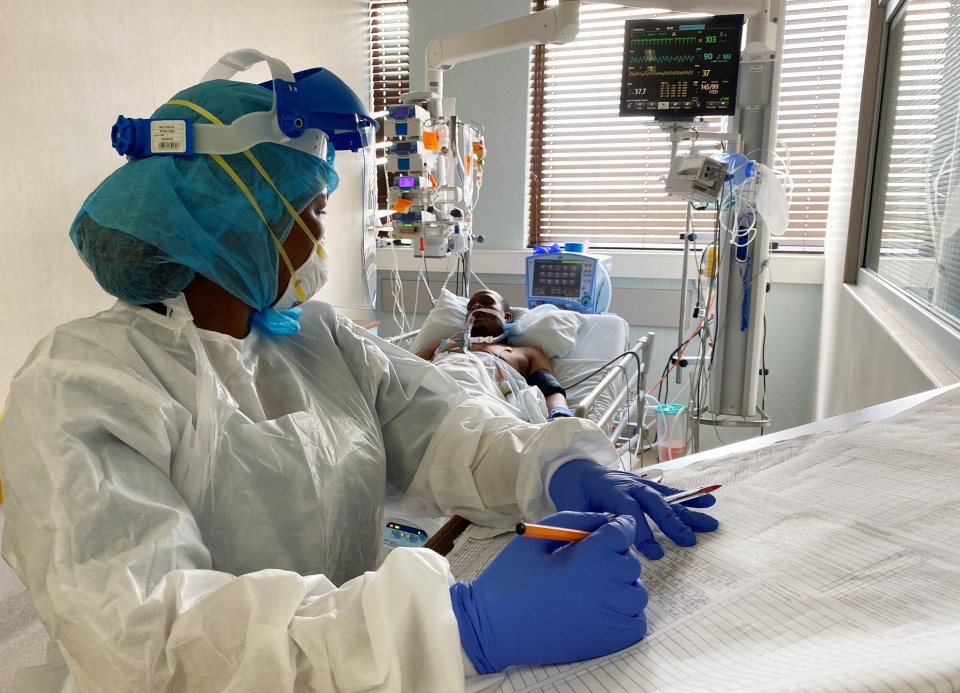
(313, 111)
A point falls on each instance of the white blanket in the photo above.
(494, 384)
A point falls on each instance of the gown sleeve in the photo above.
(452, 455)
(121, 578)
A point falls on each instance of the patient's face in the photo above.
(484, 324)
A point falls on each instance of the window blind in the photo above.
(389, 66)
(598, 176)
(912, 233)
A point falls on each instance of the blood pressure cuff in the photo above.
(547, 383)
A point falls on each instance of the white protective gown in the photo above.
(208, 517)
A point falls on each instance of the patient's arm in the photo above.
(538, 362)
(556, 400)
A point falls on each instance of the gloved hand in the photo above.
(585, 486)
(547, 602)
(559, 411)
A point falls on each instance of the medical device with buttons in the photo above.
(573, 281)
(432, 166)
(696, 178)
(409, 533)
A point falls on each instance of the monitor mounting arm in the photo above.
(560, 25)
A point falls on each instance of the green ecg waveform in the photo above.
(668, 73)
(665, 41)
(663, 59)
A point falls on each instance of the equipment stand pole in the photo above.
(683, 288)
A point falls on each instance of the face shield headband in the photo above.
(313, 111)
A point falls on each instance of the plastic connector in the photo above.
(292, 124)
(136, 137)
(131, 136)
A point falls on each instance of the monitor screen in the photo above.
(557, 278)
(678, 69)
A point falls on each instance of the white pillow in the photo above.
(552, 330)
(448, 317)
(549, 329)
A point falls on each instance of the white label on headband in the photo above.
(168, 137)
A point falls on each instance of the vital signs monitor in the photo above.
(679, 69)
(574, 281)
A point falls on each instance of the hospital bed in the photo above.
(835, 567)
(601, 370)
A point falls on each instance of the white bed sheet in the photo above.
(600, 339)
(834, 569)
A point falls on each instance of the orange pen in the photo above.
(529, 529)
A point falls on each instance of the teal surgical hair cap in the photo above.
(157, 221)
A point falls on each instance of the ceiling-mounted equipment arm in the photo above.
(560, 24)
(553, 25)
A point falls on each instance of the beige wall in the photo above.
(873, 359)
(68, 69)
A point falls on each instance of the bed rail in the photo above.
(618, 380)
(401, 338)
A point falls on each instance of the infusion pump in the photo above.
(433, 168)
(696, 178)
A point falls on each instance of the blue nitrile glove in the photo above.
(589, 487)
(559, 411)
(547, 602)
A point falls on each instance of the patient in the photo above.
(528, 364)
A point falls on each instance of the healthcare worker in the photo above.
(195, 477)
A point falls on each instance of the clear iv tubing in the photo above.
(738, 195)
(466, 334)
(649, 411)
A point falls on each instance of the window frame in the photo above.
(940, 336)
(916, 328)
